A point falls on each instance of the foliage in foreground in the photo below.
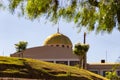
(29, 68)
(112, 75)
(98, 15)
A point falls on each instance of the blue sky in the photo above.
(14, 29)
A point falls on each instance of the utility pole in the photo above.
(85, 56)
(106, 55)
(84, 41)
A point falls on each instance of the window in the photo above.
(96, 72)
(57, 45)
(74, 63)
(62, 62)
(104, 73)
(118, 73)
(63, 46)
(52, 45)
(67, 46)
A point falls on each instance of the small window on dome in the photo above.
(67, 46)
(57, 45)
(63, 46)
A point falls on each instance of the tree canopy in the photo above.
(93, 15)
(21, 46)
(81, 50)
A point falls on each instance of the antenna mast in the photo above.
(106, 55)
(58, 29)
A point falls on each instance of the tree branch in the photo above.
(94, 2)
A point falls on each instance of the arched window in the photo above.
(57, 45)
(63, 46)
(67, 46)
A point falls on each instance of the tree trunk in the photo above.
(80, 62)
(22, 54)
(84, 61)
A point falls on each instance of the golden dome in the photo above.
(58, 39)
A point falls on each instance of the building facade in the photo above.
(57, 48)
(102, 68)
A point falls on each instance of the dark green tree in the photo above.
(98, 15)
(21, 46)
(80, 50)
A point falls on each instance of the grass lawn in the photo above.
(36, 69)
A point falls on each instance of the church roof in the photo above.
(57, 38)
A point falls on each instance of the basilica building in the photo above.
(57, 48)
